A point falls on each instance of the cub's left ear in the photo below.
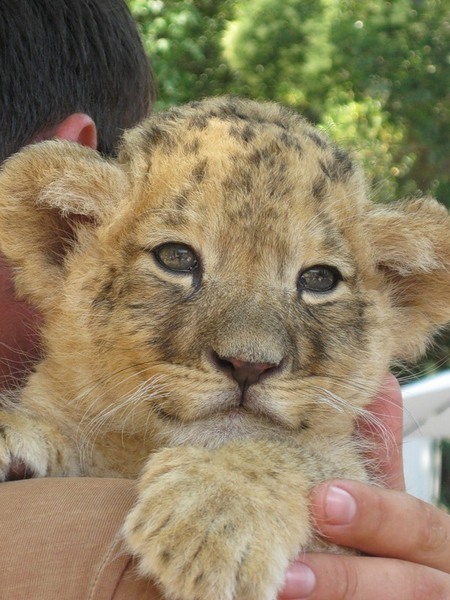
(48, 193)
(411, 248)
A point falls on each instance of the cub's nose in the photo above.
(244, 372)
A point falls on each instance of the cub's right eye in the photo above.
(177, 258)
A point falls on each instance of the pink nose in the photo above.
(244, 372)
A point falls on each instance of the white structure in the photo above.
(427, 420)
(427, 406)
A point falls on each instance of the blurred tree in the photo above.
(398, 53)
(374, 74)
(276, 46)
(184, 40)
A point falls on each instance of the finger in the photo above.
(380, 522)
(338, 577)
(387, 433)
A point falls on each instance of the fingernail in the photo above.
(340, 506)
(300, 582)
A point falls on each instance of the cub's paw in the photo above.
(32, 449)
(23, 450)
(203, 529)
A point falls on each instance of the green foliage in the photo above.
(271, 44)
(398, 53)
(183, 39)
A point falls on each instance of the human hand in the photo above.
(407, 540)
(386, 433)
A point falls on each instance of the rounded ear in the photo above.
(49, 191)
(411, 248)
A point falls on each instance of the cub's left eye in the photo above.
(177, 258)
(319, 279)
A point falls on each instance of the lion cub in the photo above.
(220, 304)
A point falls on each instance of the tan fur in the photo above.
(130, 382)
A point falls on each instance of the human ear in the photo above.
(49, 193)
(411, 248)
(77, 127)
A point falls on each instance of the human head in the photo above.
(60, 57)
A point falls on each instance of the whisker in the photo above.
(91, 425)
(374, 422)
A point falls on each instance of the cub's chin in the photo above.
(218, 429)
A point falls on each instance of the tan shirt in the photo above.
(60, 540)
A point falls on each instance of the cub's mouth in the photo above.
(220, 427)
(252, 411)
(232, 412)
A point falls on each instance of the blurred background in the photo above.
(375, 76)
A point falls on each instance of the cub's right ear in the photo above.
(48, 192)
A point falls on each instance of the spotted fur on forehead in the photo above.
(258, 161)
(247, 122)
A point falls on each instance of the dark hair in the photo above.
(58, 57)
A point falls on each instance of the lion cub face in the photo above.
(226, 277)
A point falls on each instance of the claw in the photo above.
(19, 470)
